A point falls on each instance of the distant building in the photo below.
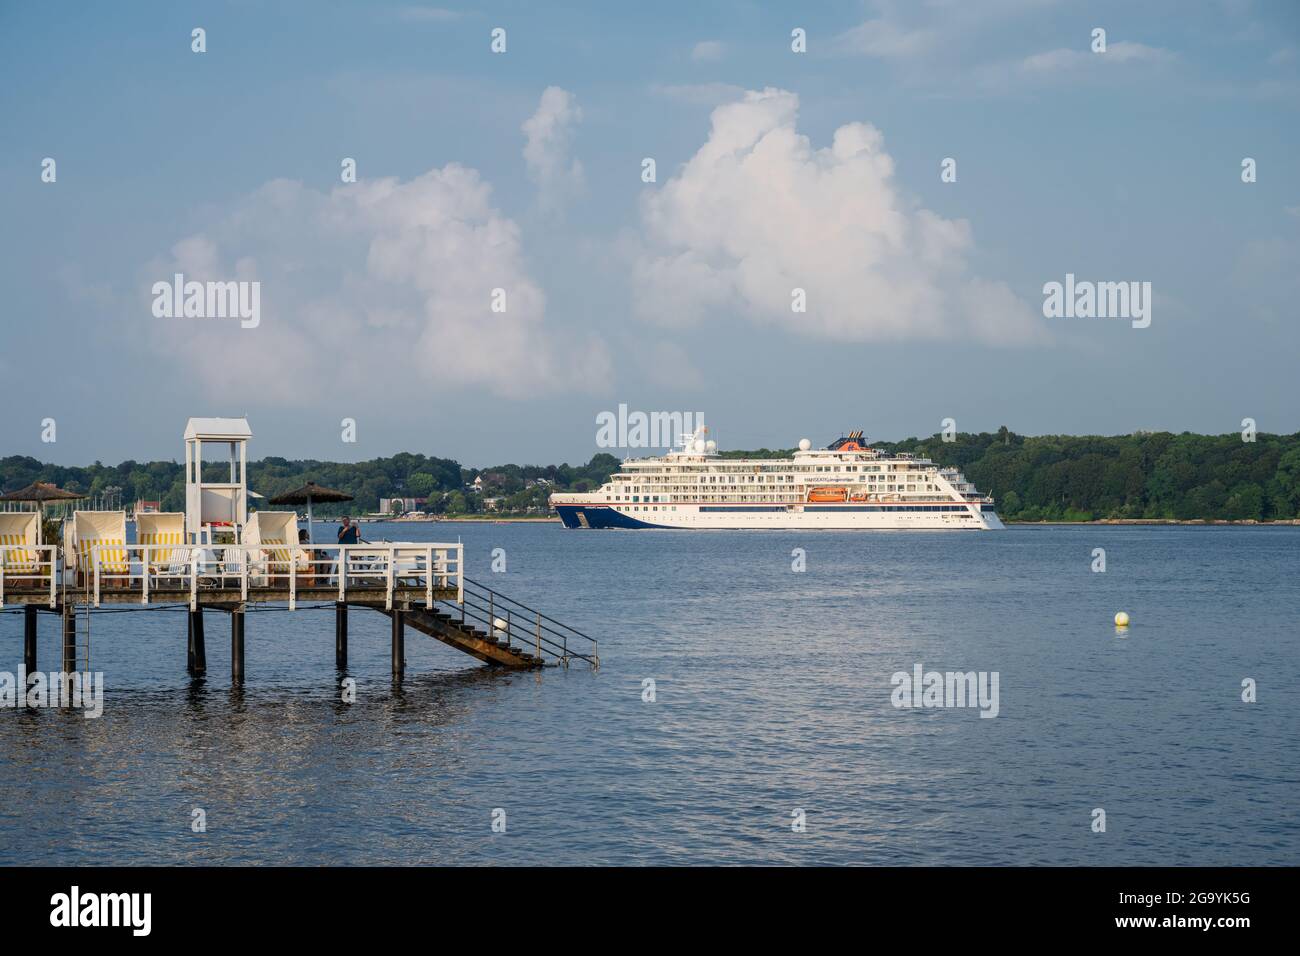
(143, 507)
(389, 505)
(492, 504)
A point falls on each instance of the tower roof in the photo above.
(217, 429)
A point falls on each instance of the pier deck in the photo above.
(420, 585)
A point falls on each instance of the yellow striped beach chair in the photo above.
(105, 530)
(164, 528)
(19, 536)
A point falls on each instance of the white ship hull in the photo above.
(826, 517)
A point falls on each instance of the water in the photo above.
(773, 693)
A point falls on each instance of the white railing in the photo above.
(349, 568)
(29, 569)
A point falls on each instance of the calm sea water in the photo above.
(772, 693)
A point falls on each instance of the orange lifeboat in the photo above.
(828, 494)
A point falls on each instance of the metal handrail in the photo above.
(525, 607)
(515, 630)
(390, 566)
(541, 636)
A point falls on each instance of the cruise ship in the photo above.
(846, 485)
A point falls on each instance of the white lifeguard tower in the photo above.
(222, 505)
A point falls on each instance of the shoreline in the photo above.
(1146, 522)
(1208, 522)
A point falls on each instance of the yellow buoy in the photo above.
(1121, 619)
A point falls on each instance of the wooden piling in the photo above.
(198, 650)
(399, 642)
(69, 638)
(340, 634)
(237, 646)
(29, 638)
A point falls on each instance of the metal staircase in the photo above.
(501, 631)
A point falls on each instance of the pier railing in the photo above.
(29, 568)
(507, 619)
(347, 570)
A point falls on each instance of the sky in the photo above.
(500, 272)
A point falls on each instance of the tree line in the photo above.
(1152, 475)
(447, 487)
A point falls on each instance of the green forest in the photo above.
(1148, 475)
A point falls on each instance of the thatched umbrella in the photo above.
(306, 495)
(42, 493)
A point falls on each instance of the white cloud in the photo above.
(1074, 60)
(708, 51)
(757, 212)
(548, 137)
(887, 39)
(374, 282)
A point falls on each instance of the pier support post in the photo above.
(237, 646)
(399, 642)
(340, 634)
(198, 651)
(69, 638)
(29, 638)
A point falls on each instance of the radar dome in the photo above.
(711, 445)
(804, 444)
(699, 444)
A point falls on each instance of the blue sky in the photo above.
(925, 298)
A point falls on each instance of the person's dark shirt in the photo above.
(349, 535)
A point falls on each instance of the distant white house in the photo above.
(389, 505)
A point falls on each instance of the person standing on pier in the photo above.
(349, 533)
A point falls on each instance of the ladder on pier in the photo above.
(82, 644)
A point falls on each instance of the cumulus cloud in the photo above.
(757, 212)
(548, 136)
(374, 282)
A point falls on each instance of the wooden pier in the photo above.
(414, 584)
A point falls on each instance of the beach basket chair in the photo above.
(20, 534)
(163, 529)
(105, 530)
(275, 535)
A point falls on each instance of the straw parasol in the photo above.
(306, 495)
(42, 493)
